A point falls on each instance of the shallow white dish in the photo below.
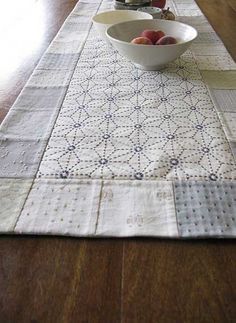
(121, 5)
(154, 11)
(106, 19)
(151, 57)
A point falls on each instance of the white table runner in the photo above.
(95, 147)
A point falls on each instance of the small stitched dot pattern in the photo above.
(61, 206)
(205, 208)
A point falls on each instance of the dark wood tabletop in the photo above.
(61, 279)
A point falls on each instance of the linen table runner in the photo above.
(95, 147)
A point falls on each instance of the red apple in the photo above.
(166, 40)
(141, 41)
(160, 34)
(153, 35)
(159, 3)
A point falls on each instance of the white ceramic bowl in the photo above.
(106, 19)
(151, 57)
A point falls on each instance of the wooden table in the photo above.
(51, 279)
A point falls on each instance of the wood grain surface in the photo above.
(52, 279)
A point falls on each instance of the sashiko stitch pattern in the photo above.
(119, 122)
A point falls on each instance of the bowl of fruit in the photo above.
(151, 44)
(105, 19)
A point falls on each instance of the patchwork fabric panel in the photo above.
(210, 53)
(206, 208)
(185, 8)
(64, 207)
(225, 100)
(20, 158)
(137, 208)
(13, 193)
